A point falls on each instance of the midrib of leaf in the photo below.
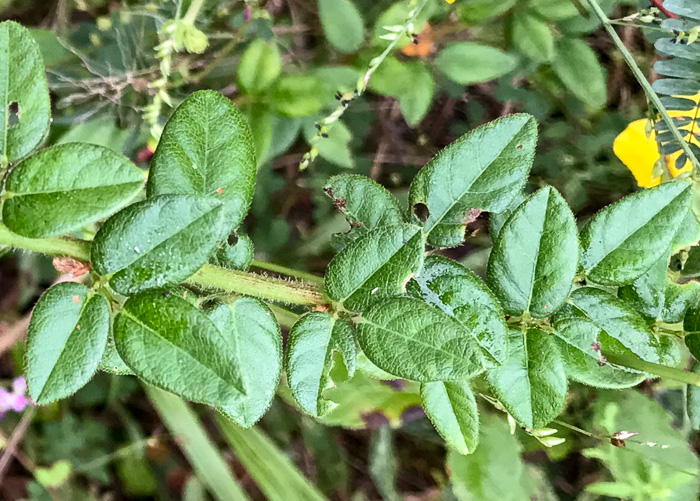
(467, 190)
(637, 230)
(12, 194)
(164, 241)
(454, 412)
(537, 257)
(527, 375)
(242, 391)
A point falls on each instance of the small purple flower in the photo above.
(15, 400)
(19, 385)
(247, 14)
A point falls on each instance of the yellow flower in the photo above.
(639, 151)
(450, 1)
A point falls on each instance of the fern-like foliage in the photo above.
(681, 88)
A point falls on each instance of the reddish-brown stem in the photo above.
(659, 4)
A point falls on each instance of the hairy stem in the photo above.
(239, 282)
(290, 272)
(273, 289)
(646, 86)
(78, 249)
(634, 362)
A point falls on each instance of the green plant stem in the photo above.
(239, 282)
(651, 95)
(193, 11)
(78, 249)
(325, 125)
(273, 289)
(290, 272)
(634, 362)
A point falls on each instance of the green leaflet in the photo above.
(410, 339)
(24, 93)
(692, 401)
(63, 188)
(172, 345)
(238, 256)
(619, 321)
(342, 24)
(533, 262)
(158, 242)
(207, 150)
(468, 63)
(251, 328)
(410, 82)
(577, 340)
(313, 340)
(65, 341)
(296, 96)
(375, 266)
(658, 298)
(364, 203)
(498, 219)
(363, 397)
(483, 170)
(259, 67)
(577, 66)
(531, 384)
(531, 36)
(111, 362)
(495, 472)
(452, 409)
(625, 239)
(462, 295)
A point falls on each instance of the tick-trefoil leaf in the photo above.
(413, 340)
(25, 109)
(531, 384)
(619, 321)
(66, 339)
(170, 344)
(313, 340)
(626, 238)
(63, 188)
(452, 409)
(375, 266)
(364, 203)
(253, 332)
(462, 295)
(580, 342)
(483, 170)
(207, 150)
(534, 259)
(158, 242)
(656, 297)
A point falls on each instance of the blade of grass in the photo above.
(274, 473)
(204, 457)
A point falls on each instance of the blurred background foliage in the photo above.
(116, 69)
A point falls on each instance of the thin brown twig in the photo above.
(15, 439)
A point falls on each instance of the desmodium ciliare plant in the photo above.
(169, 297)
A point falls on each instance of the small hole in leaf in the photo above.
(232, 239)
(421, 211)
(13, 113)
